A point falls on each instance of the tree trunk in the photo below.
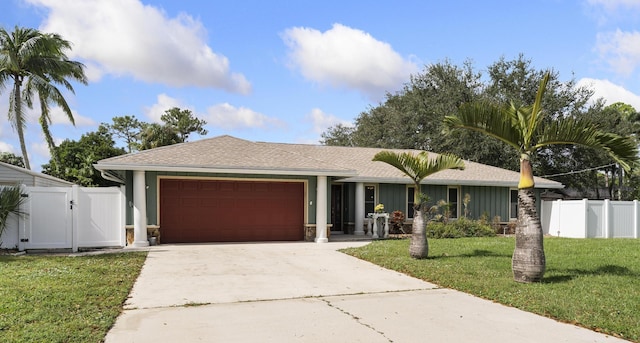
(17, 117)
(528, 263)
(419, 247)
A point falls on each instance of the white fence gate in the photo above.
(72, 218)
(591, 218)
(49, 220)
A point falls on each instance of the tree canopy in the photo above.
(413, 118)
(184, 123)
(11, 158)
(177, 124)
(76, 158)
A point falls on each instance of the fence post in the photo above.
(559, 219)
(542, 218)
(123, 216)
(75, 210)
(606, 220)
(636, 229)
(585, 218)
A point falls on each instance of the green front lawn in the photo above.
(64, 299)
(593, 283)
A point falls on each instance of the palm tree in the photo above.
(524, 128)
(10, 201)
(417, 167)
(37, 62)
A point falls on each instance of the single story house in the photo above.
(230, 189)
(11, 175)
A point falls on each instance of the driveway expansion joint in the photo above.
(132, 307)
(357, 319)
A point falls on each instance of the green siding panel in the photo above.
(393, 197)
(487, 201)
(435, 193)
(152, 196)
(311, 204)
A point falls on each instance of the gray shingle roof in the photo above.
(233, 155)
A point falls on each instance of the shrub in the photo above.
(10, 201)
(462, 227)
(397, 222)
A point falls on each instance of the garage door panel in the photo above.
(226, 211)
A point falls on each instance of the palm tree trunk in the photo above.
(18, 121)
(528, 262)
(419, 247)
(44, 123)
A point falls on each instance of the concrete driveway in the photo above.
(307, 292)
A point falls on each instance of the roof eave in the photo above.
(448, 182)
(228, 170)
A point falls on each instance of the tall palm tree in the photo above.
(524, 128)
(417, 167)
(37, 62)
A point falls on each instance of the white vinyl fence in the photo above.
(591, 218)
(68, 218)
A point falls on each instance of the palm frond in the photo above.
(536, 109)
(495, 121)
(406, 162)
(429, 166)
(419, 166)
(10, 201)
(623, 150)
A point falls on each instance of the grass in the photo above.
(593, 283)
(62, 298)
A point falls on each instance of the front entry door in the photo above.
(336, 207)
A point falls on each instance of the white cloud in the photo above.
(228, 117)
(620, 49)
(607, 12)
(59, 117)
(611, 92)
(126, 37)
(164, 103)
(6, 147)
(613, 5)
(322, 121)
(347, 57)
(40, 151)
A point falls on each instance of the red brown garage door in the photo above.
(230, 211)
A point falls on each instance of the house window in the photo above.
(513, 204)
(369, 199)
(452, 199)
(411, 192)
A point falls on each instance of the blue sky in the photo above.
(284, 71)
